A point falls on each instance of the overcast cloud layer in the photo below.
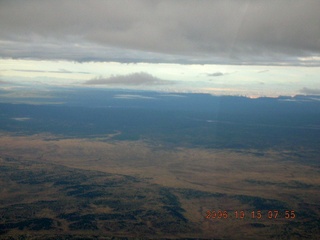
(189, 31)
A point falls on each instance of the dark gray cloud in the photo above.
(216, 74)
(3, 82)
(310, 91)
(263, 71)
(53, 71)
(135, 79)
(221, 31)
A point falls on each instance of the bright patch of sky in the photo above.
(248, 80)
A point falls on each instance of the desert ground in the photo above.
(91, 187)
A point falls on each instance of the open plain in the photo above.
(55, 186)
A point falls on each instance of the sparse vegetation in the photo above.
(154, 170)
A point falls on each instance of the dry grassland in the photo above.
(266, 175)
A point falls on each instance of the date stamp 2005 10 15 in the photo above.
(258, 214)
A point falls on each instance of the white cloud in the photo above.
(132, 96)
(21, 119)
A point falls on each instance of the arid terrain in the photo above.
(52, 186)
(160, 120)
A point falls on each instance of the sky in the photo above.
(232, 47)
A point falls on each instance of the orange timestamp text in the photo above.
(256, 214)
